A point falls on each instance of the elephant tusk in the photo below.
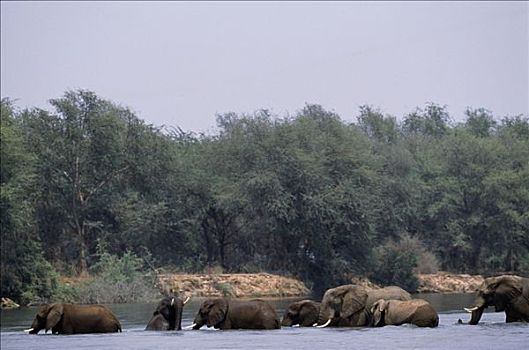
(172, 302)
(28, 330)
(187, 299)
(471, 309)
(190, 327)
(325, 324)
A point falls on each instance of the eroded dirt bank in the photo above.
(237, 285)
(444, 282)
(268, 285)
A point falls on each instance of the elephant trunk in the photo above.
(476, 315)
(198, 322)
(477, 310)
(178, 320)
(325, 317)
(36, 327)
(286, 322)
(326, 313)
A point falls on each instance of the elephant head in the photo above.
(506, 293)
(48, 316)
(378, 311)
(304, 312)
(343, 303)
(211, 313)
(170, 308)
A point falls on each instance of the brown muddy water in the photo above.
(491, 333)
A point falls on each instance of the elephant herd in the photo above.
(356, 306)
(343, 306)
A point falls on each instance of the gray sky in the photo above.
(180, 63)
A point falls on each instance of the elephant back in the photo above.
(386, 293)
(525, 288)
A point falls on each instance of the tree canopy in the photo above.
(308, 195)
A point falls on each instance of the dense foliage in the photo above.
(118, 280)
(308, 195)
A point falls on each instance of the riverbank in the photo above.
(235, 285)
(445, 282)
(265, 285)
(268, 285)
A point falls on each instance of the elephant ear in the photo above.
(378, 311)
(509, 287)
(217, 312)
(309, 313)
(54, 316)
(506, 290)
(43, 310)
(491, 284)
(376, 306)
(353, 302)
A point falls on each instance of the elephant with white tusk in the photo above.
(350, 305)
(507, 293)
(168, 315)
(303, 313)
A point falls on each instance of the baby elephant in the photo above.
(225, 313)
(304, 312)
(396, 312)
(74, 319)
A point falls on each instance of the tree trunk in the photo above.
(82, 264)
(205, 231)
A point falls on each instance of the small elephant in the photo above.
(350, 305)
(304, 312)
(168, 315)
(507, 293)
(396, 312)
(226, 313)
(74, 319)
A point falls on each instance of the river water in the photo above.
(491, 333)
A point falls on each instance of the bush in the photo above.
(119, 280)
(427, 262)
(225, 288)
(396, 264)
(26, 276)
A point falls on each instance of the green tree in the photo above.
(25, 273)
(432, 121)
(480, 122)
(81, 157)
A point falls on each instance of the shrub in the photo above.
(32, 279)
(396, 264)
(427, 262)
(119, 280)
(225, 288)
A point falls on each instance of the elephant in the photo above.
(350, 305)
(74, 319)
(304, 312)
(396, 312)
(224, 313)
(168, 315)
(507, 293)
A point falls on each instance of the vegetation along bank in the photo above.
(90, 189)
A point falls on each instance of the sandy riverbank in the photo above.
(268, 285)
(237, 285)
